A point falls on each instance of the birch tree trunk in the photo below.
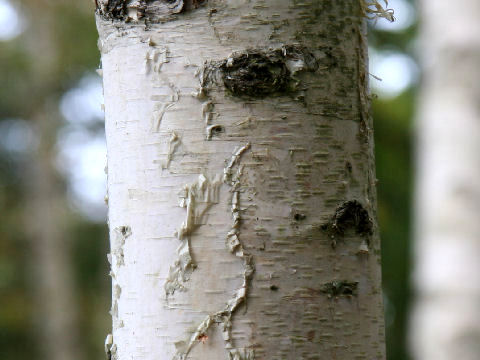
(240, 180)
(447, 277)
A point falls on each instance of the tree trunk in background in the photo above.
(56, 316)
(46, 223)
(240, 180)
(447, 277)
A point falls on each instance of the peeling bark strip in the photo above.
(233, 244)
(110, 348)
(173, 142)
(197, 198)
(373, 9)
(122, 233)
(350, 214)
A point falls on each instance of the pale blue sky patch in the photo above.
(397, 72)
(82, 152)
(82, 159)
(12, 23)
(404, 13)
(17, 136)
(82, 104)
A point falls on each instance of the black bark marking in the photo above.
(152, 10)
(216, 129)
(350, 214)
(256, 73)
(340, 288)
(125, 230)
(299, 217)
(348, 166)
(112, 9)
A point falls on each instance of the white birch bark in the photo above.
(240, 181)
(447, 251)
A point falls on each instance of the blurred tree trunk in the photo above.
(46, 217)
(447, 277)
(46, 222)
(241, 180)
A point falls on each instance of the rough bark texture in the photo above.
(241, 181)
(447, 277)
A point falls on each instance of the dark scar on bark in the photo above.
(350, 214)
(259, 73)
(152, 10)
(255, 74)
(125, 230)
(112, 9)
(299, 217)
(217, 129)
(340, 288)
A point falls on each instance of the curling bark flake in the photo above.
(239, 149)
